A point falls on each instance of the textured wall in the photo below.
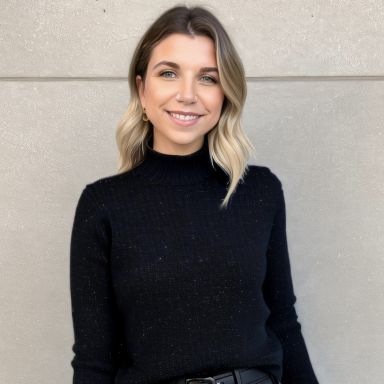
(314, 112)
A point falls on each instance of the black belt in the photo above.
(236, 376)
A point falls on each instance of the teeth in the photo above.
(184, 117)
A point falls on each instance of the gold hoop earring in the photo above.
(145, 117)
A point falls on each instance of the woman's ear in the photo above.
(140, 88)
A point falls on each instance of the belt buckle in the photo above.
(200, 380)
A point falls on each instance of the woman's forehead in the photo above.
(185, 50)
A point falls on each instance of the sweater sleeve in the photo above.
(280, 298)
(93, 311)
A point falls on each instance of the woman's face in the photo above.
(187, 83)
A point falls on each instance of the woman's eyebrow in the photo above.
(176, 66)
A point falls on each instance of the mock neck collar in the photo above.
(162, 168)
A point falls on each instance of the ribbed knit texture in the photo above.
(164, 284)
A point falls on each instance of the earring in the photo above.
(145, 117)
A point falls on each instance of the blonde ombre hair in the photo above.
(229, 147)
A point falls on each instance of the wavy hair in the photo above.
(229, 147)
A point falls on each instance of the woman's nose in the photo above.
(187, 92)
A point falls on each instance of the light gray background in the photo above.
(314, 112)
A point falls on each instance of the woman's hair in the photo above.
(228, 145)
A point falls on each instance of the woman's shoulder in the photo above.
(106, 181)
(263, 182)
(106, 187)
(263, 174)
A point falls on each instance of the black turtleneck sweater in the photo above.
(164, 284)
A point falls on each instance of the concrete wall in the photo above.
(314, 112)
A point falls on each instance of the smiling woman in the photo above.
(184, 66)
(187, 97)
(175, 278)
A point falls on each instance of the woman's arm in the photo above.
(280, 298)
(96, 341)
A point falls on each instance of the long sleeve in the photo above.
(96, 341)
(280, 298)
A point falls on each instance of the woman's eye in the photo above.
(212, 79)
(162, 73)
(169, 75)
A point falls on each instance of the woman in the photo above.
(168, 285)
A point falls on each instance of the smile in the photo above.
(184, 117)
(184, 120)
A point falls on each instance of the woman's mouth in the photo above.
(184, 120)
